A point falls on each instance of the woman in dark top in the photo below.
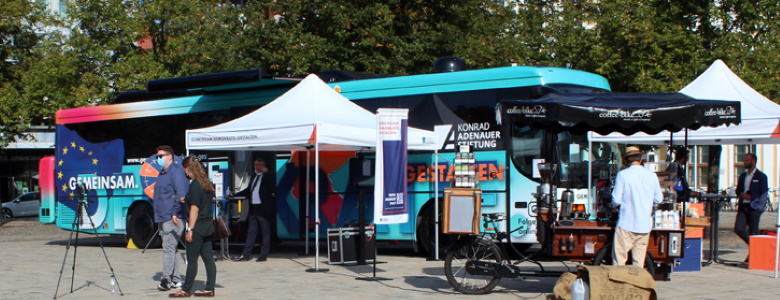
(200, 228)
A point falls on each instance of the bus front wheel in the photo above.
(426, 232)
(141, 226)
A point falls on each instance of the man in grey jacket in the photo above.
(169, 191)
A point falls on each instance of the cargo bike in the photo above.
(475, 263)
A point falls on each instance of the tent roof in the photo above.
(718, 82)
(620, 112)
(308, 113)
(760, 116)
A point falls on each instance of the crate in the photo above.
(694, 227)
(343, 246)
(701, 221)
(691, 260)
(762, 252)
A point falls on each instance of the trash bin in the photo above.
(343, 246)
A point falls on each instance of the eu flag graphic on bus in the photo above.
(390, 201)
(96, 166)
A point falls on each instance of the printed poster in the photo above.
(390, 196)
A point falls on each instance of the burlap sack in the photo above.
(618, 282)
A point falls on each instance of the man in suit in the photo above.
(752, 188)
(261, 194)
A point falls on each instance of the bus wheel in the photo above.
(425, 232)
(141, 226)
(604, 257)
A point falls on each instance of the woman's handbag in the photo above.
(221, 229)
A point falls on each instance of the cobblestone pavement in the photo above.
(33, 253)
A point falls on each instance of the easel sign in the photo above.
(462, 208)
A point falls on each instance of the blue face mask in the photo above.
(161, 161)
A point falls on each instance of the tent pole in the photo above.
(308, 197)
(591, 205)
(436, 203)
(316, 206)
(777, 244)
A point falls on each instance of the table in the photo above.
(715, 201)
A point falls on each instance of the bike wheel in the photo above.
(455, 267)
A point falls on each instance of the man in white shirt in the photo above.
(635, 191)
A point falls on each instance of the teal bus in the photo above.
(106, 147)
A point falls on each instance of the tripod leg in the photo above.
(64, 258)
(111, 268)
(73, 267)
(156, 233)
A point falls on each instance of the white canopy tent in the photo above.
(310, 115)
(760, 116)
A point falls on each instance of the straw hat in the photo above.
(632, 150)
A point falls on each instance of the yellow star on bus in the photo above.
(59, 163)
(89, 153)
(81, 148)
(72, 195)
(65, 150)
(59, 175)
(94, 161)
(73, 144)
(64, 187)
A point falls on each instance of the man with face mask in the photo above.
(169, 191)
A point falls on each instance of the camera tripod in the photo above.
(82, 207)
(157, 233)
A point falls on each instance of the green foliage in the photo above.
(118, 45)
(19, 21)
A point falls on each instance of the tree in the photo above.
(749, 42)
(20, 22)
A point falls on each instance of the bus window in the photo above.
(572, 151)
(527, 145)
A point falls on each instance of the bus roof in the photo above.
(494, 78)
(208, 99)
(267, 89)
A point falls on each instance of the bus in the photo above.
(112, 142)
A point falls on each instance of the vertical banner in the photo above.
(390, 201)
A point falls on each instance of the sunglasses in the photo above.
(161, 155)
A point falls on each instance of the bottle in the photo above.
(663, 219)
(676, 219)
(571, 242)
(113, 285)
(666, 223)
(657, 219)
(580, 290)
(563, 244)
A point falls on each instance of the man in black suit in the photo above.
(752, 188)
(261, 194)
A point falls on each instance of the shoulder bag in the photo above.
(221, 228)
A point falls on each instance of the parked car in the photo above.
(25, 205)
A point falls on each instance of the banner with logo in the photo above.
(390, 199)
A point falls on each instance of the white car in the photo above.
(23, 206)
